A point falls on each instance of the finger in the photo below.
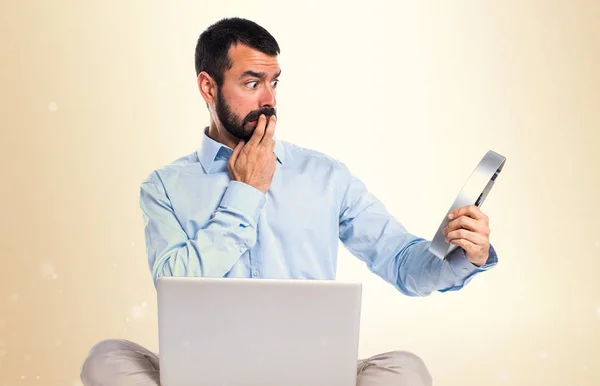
(270, 130)
(236, 152)
(466, 223)
(469, 247)
(464, 234)
(477, 254)
(472, 211)
(258, 132)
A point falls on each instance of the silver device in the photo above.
(473, 192)
(251, 332)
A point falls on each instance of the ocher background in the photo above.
(410, 95)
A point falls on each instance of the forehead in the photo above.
(245, 58)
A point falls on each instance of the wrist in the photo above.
(479, 262)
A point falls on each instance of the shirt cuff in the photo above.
(244, 198)
(463, 268)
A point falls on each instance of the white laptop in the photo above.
(258, 332)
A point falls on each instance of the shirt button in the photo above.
(465, 270)
(242, 249)
(255, 273)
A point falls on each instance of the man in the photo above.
(247, 205)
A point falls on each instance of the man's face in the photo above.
(248, 90)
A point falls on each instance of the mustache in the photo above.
(253, 115)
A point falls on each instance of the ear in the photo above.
(207, 87)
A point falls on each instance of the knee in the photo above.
(97, 364)
(411, 363)
(405, 357)
(414, 363)
(107, 346)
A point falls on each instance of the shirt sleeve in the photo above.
(217, 245)
(402, 259)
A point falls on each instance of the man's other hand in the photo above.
(469, 229)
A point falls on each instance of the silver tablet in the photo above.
(474, 192)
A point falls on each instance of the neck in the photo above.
(221, 135)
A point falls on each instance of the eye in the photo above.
(252, 84)
(275, 82)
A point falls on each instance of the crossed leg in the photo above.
(119, 362)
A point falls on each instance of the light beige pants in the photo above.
(117, 362)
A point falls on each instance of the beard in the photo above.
(234, 124)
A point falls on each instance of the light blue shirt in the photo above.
(198, 222)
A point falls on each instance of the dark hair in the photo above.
(213, 45)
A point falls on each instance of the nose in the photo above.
(268, 97)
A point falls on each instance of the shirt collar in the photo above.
(210, 149)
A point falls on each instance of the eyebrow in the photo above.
(260, 75)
